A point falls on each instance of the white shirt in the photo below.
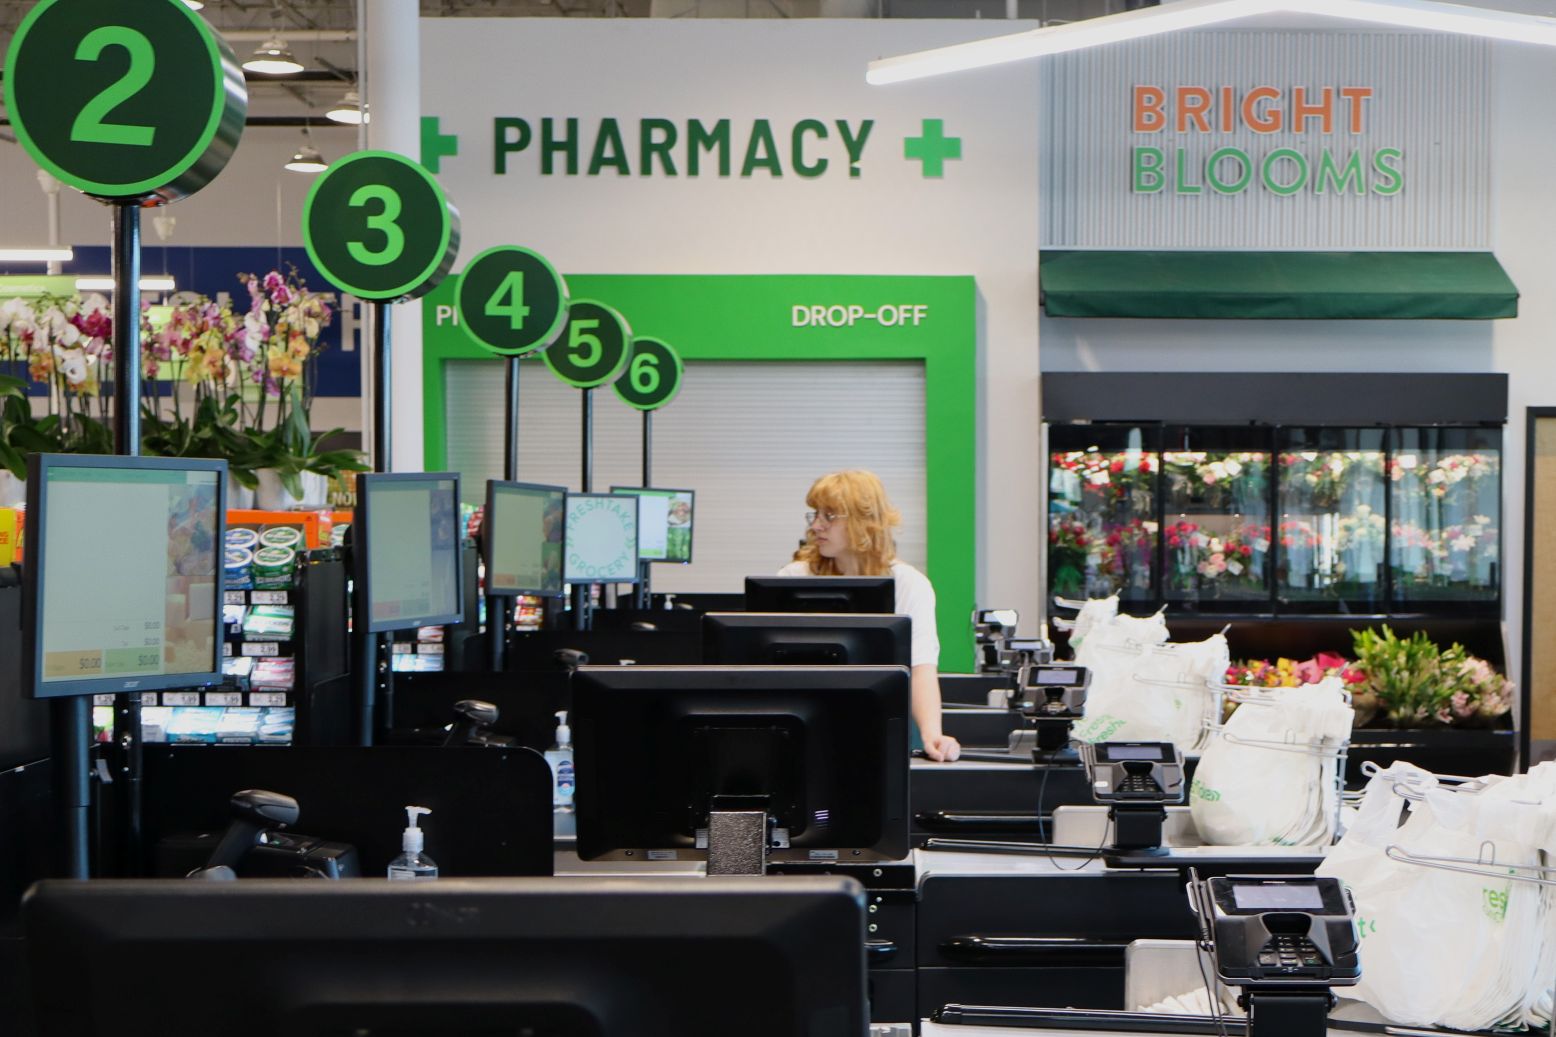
(915, 599)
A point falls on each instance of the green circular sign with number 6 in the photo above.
(594, 346)
(652, 377)
(511, 301)
(378, 226)
(125, 101)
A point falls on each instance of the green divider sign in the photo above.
(652, 377)
(511, 301)
(378, 226)
(125, 101)
(594, 346)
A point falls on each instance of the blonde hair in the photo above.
(860, 499)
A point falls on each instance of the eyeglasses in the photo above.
(826, 517)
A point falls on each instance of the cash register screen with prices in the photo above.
(122, 577)
(823, 750)
(650, 957)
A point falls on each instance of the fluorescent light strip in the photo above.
(1193, 14)
(36, 255)
(106, 284)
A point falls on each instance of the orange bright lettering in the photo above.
(1268, 123)
(1356, 95)
(1149, 117)
(1302, 110)
(1228, 110)
(1193, 105)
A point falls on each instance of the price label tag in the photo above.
(224, 698)
(511, 301)
(267, 698)
(102, 700)
(593, 347)
(148, 698)
(232, 597)
(227, 649)
(261, 649)
(180, 698)
(652, 377)
(403, 648)
(268, 597)
(378, 226)
(429, 649)
(125, 101)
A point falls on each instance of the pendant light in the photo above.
(348, 110)
(274, 58)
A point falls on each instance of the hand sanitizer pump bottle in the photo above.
(413, 863)
(560, 757)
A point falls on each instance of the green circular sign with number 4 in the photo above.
(377, 225)
(594, 346)
(652, 377)
(511, 301)
(125, 101)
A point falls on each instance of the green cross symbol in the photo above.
(933, 148)
(435, 145)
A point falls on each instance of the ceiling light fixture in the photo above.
(195, 5)
(307, 159)
(106, 284)
(348, 110)
(36, 255)
(273, 58)
(1193, 14)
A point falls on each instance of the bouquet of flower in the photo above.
(1446, 471)
(67, 345)
(1069, 544)
(1422, 685)
(1199, 558)
(1215, 479)
(1324, 477)
(1114, 476)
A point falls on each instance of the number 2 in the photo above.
(514, 309)
(383, 222)
(586, 348)
(89, 126)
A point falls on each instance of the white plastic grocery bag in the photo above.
(1112, 651)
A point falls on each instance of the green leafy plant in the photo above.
(291, 449)
(1413, 679)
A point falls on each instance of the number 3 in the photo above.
(89, 126)
(383, 222)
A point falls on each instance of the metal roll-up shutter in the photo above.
(749, 437)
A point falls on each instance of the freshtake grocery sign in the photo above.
(1320, 129)
(766, 148)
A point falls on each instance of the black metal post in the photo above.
(499, 608)
(510, 454)
(126, 421)
(72, 783)
(382, 384)
(366, 656)
(645, 594)
(581, 604)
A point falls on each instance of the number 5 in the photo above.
(645, 373)
(383, 222)
(586, 348)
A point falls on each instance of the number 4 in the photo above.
(514, 309)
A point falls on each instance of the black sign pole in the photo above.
(499, 608)
(126, 324)
(368, 655)
(581, 591)
(645, 592)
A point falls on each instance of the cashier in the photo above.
(850, 534)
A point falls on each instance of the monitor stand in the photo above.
(1287, 1011)
(738, 835)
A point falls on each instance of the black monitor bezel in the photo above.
(360, 551)
(488, 526)
(771, 586)
(593, 810)
(585, 581)
(638, 491)
(34, 578)
(1223, 890)
(714, 624)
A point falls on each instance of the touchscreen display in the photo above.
(1278, 897)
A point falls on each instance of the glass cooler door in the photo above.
(1216, 518)
(1333, 517)
(1102, 511)
(1445, 493)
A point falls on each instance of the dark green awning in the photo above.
(1277, 285)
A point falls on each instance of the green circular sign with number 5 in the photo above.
(594, 346)
(125, 101)
(652, 377)
(511, 301)
(378, 226)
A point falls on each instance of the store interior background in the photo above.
(980, 219)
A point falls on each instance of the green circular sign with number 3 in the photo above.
(378, 226)
(594, 346)
(125, 101)
(511, 301)
(652, 377)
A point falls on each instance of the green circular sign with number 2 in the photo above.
(594, 346)
(377, 225)
(652, 377)
(124, 101)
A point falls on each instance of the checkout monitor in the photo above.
(874, 594)
(811, 639)
(122, 579)
(652, 957)
(664, 523)
(407, 550)
(522, 539)
(823, 749)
